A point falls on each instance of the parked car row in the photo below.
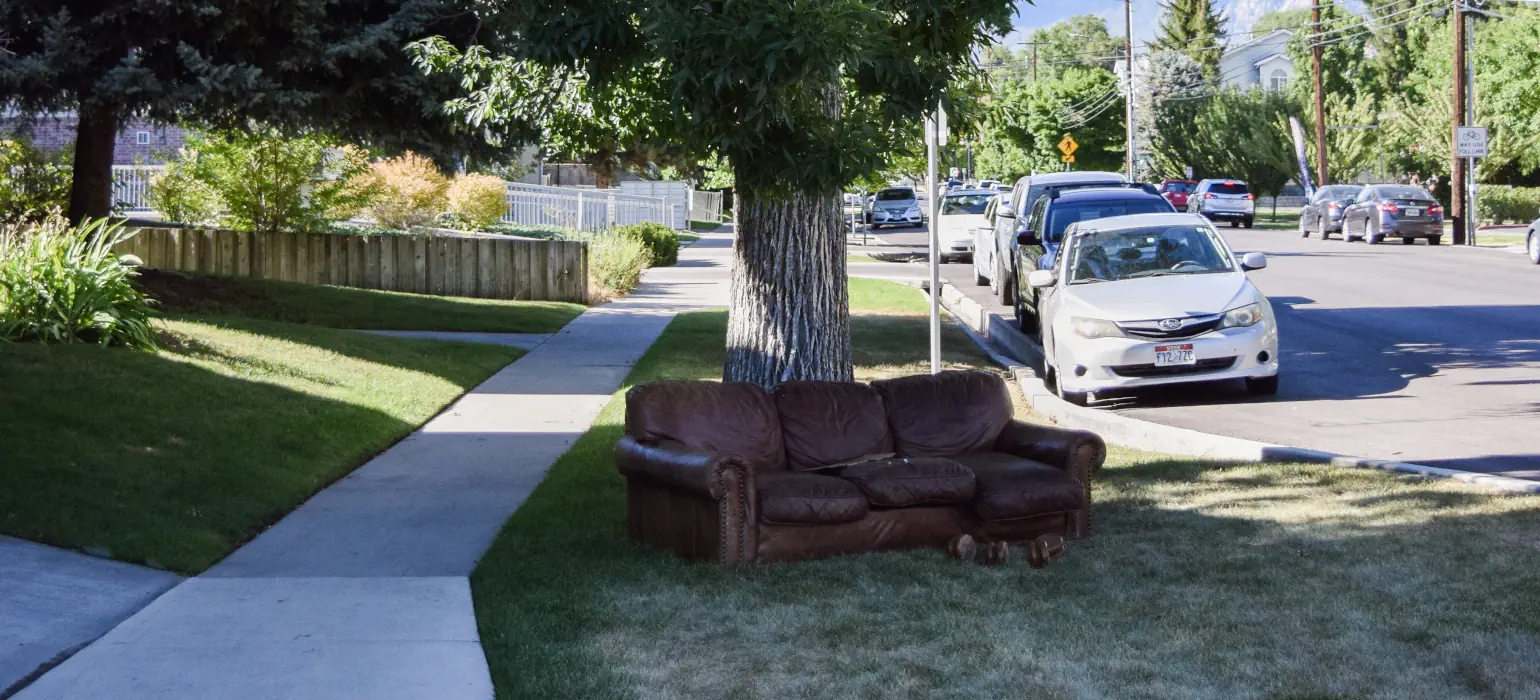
(1124, 290)
(1373, 213)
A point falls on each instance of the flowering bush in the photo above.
(32, 183)
(270, 182)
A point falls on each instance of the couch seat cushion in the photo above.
(831, 423)
(911, 481)
(1009, 487)
(803, 498)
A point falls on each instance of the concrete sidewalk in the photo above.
(363, 591)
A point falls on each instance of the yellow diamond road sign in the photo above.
(1067, 146)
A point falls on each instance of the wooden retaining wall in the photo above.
(485, 266)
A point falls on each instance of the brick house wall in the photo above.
(138, 141)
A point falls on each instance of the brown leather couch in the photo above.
(734, 473)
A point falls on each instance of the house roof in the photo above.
(1276, 32)
(1272, 58)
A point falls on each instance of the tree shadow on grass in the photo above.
(163, 460)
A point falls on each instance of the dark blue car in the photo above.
(1053, 212)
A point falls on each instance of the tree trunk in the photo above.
(790, 312)
(96, 135)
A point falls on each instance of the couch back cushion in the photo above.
(720, 417)
(827, 424)
(954, 412)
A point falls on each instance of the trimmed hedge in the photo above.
(661, 240)
(1500, 204)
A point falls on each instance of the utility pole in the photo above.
(1128, 57)
(1457, 212)
(1470, 120)
(1320, 100)
(934, 135)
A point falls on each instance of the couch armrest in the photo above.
(673, 464)
(725, 479)
(1075, 451)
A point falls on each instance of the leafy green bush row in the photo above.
(63, 284)
(661, 240)
(1501, 204)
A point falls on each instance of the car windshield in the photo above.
(965, 204)
(1109, 256)
(1339, 192)
(894, 195)
(1061, 215)
(1178, 187)
(1228, 188)
(1403, 192)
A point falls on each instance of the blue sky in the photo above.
(1146, 15)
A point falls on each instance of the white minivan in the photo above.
(1148, 299)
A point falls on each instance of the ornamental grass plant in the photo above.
(64, 284)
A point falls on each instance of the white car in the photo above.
(962, 213)
(1136, 301)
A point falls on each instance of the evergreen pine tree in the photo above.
(1195, 28)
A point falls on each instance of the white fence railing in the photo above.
(705, 206)
(131, 186)
(582, 209)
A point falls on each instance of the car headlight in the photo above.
(1095, 328)
(1242, 316)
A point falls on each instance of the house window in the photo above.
(1278, 80)
(142, 138)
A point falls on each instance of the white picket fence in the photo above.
(705, 206)
(581, 208)
(131, 186)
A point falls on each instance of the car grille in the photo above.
(1212, 364)
(1189, 327)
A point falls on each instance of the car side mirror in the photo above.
(1026, 238)
(1253, 261)
(1039, 279)
(1006, 213)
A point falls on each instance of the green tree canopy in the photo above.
(1295, 20)
(1195, 28)
(335, 65)
(1082, 41)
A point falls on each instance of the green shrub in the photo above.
(478, 200)
(1503, 204)
(271, 182)
(179, 195)
(615, 262)
(32, 183)
(63, 284)
(411, 191)
(661, 240)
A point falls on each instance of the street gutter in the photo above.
(1021, 355)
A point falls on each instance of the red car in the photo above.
(1176, 191)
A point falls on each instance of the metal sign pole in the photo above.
(932, 135)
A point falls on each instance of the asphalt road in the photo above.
(1411, 353)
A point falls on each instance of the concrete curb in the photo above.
(1014, 350)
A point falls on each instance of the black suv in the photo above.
(1055, 211)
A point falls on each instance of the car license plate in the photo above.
(1174, 355)
(1412, 211)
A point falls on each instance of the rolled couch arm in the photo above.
(725, 479)
(1075, 451)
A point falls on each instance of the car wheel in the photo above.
(1533, 244)
(1235, 224)
(1407, 240)
(1000, 285)
(1025, 322)
(1248, 222)
(1435, 240)
(1262, 386)
(1304, 231)
(1320, 227)
(979, 280)
(1374, 236)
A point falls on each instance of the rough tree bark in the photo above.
(790, 312)
(91, 194)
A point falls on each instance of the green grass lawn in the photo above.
(1501, 239)
(176, 457)
(1202, 580)
(347, 307)
(1287, 219)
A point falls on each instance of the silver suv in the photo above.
(1224, 200)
